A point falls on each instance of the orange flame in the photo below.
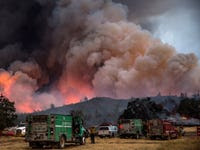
(75, 90)
(5, 83)
(23, 102)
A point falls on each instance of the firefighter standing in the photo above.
(92, 134)
(181, 131)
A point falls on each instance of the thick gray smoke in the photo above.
(80, 48)
(175, 22)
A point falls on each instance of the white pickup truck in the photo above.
(107, 131)
(21, 130)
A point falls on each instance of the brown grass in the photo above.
(190, 129)
(18, 143)
(184, 143)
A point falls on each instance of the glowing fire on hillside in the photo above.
(74, 90)
(11, 87)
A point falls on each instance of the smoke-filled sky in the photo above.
(59, 52)
(173, 21)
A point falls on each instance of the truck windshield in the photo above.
(40, 118)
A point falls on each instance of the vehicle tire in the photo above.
(152, 138)
(31, 144)
(62, 142)
(100, 136)
(82, 140)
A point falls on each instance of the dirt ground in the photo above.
(188, 142)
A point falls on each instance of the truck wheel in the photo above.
(32, 145)
(82, 140)
(62, 142)
(152, 138)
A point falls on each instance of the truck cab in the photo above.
(54, 130)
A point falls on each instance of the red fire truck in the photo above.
(163, 129)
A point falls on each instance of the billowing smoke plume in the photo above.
(85, 48)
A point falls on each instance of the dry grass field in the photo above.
(189, 142)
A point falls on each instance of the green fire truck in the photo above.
(131, 128)
(54, 130)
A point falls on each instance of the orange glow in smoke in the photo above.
(27, 107)
(6, 81)
(75, 90)
(23, 102)
(72, 90)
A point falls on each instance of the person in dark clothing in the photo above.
(92, 134)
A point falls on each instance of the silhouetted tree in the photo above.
(7, 113)
(78, 113)
(142, 109)
(52, 106)
(189, 107)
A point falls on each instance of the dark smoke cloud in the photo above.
(25, 33)
(10, 53)
(23, 22)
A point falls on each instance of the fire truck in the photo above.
(162, 129)
(54, 130)
(131, 128)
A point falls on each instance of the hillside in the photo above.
(95, 111)
(101, 109)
